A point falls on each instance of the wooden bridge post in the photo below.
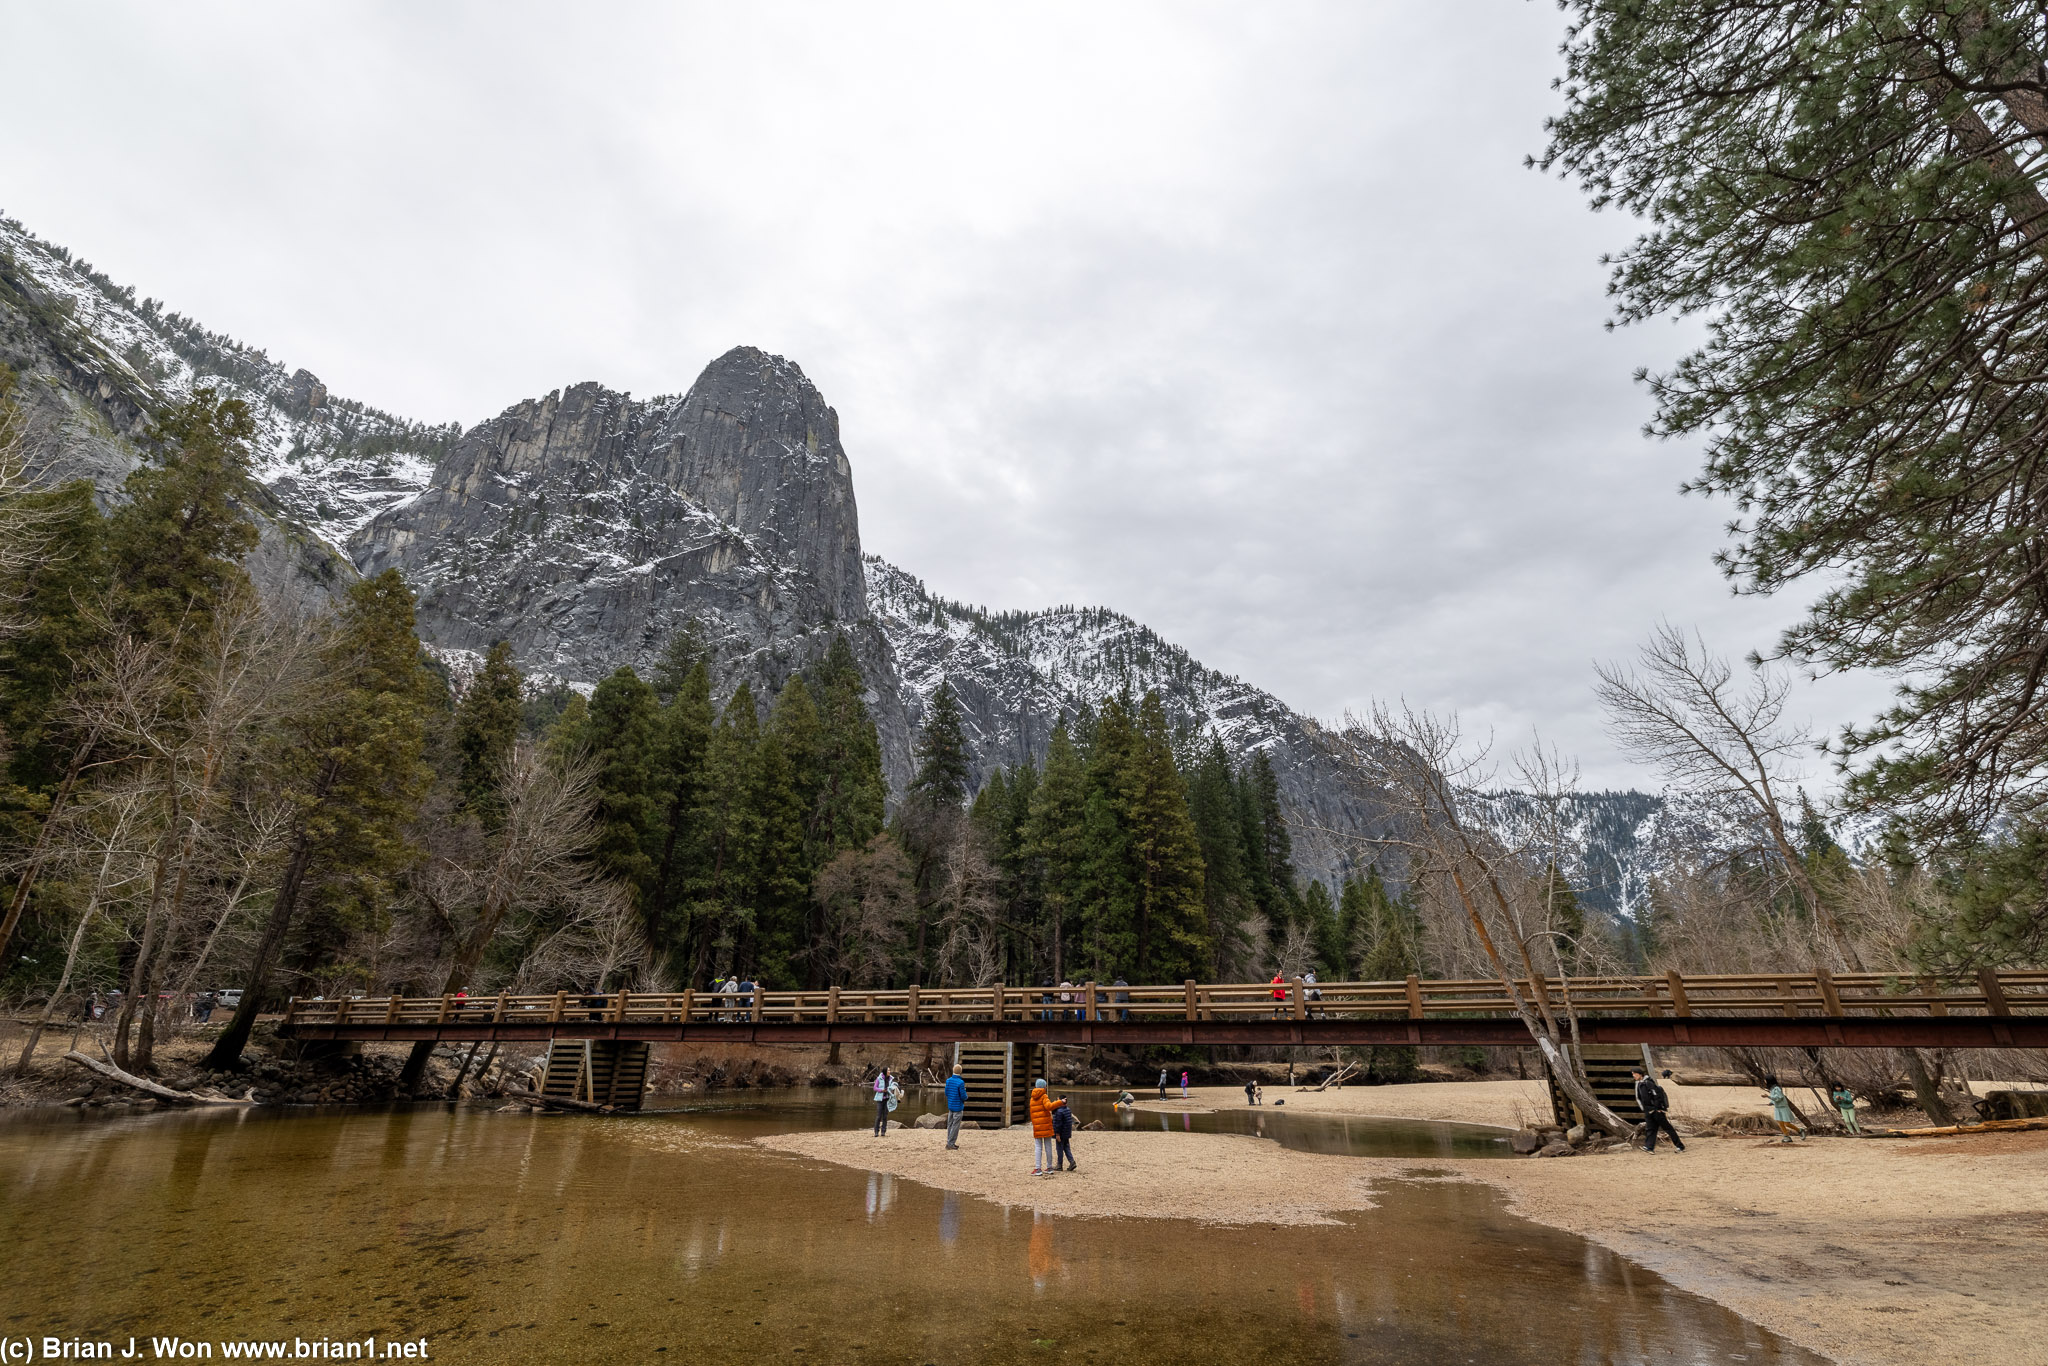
(391, 1007)
(555, 1010)
(1680, 1006)
(832, 1005)
(996, 1001)
(1190, 988)
(760, 1000)
(619, 1007)
(498, 1011)
(1831, 999)
(1414, 997)
(1791, 1007)
(442, 1016)
(1994, 992)
(1930, 987)
(1088, 1003)
(910, 1004)
(689, 1002)
(1300, 1009)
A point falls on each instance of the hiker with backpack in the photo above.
(1656, 1106)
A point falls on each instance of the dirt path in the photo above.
(1883, 1251)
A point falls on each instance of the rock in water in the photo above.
(1525, 1141)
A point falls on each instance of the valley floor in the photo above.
(1882, 1251)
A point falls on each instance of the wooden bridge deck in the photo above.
(1842, 1010)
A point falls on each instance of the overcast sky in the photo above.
(1246, 320)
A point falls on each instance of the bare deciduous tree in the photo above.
(1418, 765)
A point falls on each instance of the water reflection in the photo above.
(664, 1239)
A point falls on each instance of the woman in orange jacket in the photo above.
(1042, 1107)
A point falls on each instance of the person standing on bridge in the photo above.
(730, 990)
(956, 1106)
(1656, 1106)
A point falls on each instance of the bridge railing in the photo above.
(1791, 995)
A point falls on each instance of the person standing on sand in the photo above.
(882, 1089)
(1656, 1106)
(1041, 1130)
(956, 1105)
(1183, 1084)
(1251, 1093)
(1845, 1104)
(1781, 1111)
(1063, 1134)
(1162, 1082)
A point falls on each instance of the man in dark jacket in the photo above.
(1655, 1104)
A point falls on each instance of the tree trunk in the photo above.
(227, 1050)
(1926, 1091)
(27, 881)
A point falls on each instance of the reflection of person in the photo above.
(956, 1105)
(1845, 1105)
(1655, 1105)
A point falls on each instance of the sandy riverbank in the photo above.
(1882, 1251)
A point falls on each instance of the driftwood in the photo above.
(1989, 1126)
(558, 1102)
(1336, 1078)
(113, 1073)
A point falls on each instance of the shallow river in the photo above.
(666, 1237)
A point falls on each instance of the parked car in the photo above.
(230, 998)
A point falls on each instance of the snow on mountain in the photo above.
(96, 360)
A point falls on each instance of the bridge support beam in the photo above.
(1854, 1031)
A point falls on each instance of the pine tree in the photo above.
(620, 737)
(781, 877)
(682, 740)
(1172, 922)
(487, 724)
(851, 792)
(1226, 894)
(1320, 915)
(944, 767)
(176, 546)
(1056, 840)
(352, 765)
(728, 822)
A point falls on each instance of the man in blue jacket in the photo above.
(956, 1102)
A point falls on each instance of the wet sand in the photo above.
(1881, 1251)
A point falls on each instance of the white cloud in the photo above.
(1245, 320)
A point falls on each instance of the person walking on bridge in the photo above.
(1656, 1106)
(956, 1106)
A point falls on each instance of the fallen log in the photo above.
(558, 1102)
(1989, 1126)
(1337, 1078)
(143, 1084)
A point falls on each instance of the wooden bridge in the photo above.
(1813, 1009)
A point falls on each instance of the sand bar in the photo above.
(1879, 1251)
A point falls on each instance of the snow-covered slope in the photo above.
(1018, 674)
(95, 360)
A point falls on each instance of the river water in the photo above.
(667, 1237)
